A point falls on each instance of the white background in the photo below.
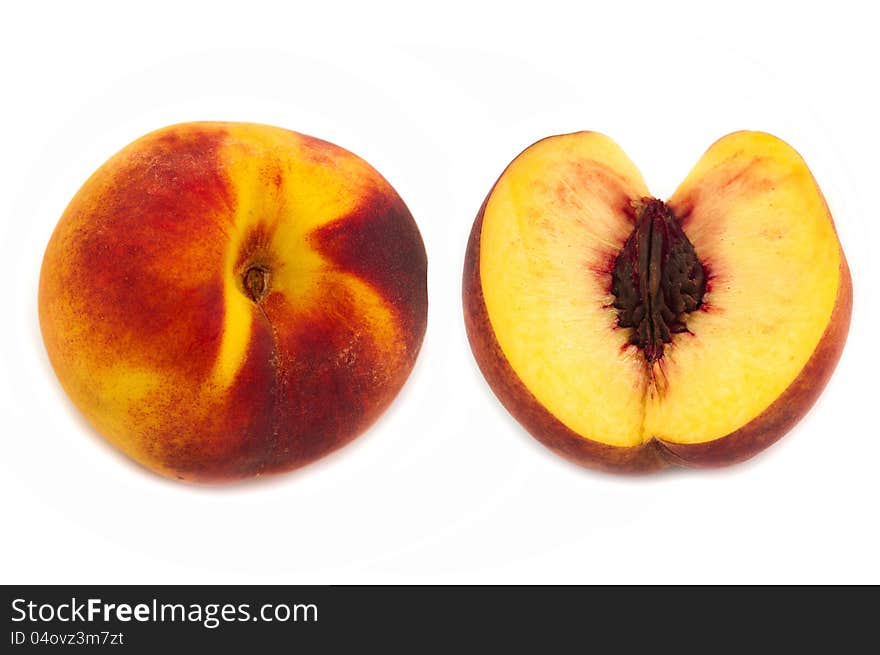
(446, 487)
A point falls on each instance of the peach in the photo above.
(629, 334)
(224, 300)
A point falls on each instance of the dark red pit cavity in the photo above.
(657, 279)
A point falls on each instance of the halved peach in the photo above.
(627, 333)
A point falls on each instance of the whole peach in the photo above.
(223, 300)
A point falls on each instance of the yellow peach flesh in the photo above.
(553, 220)
(760, 224)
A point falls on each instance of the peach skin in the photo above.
(224, 300)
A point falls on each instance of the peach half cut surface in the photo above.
(629, 334)
(223, 300)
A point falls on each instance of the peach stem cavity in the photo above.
(256, 282)
(657, 279)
